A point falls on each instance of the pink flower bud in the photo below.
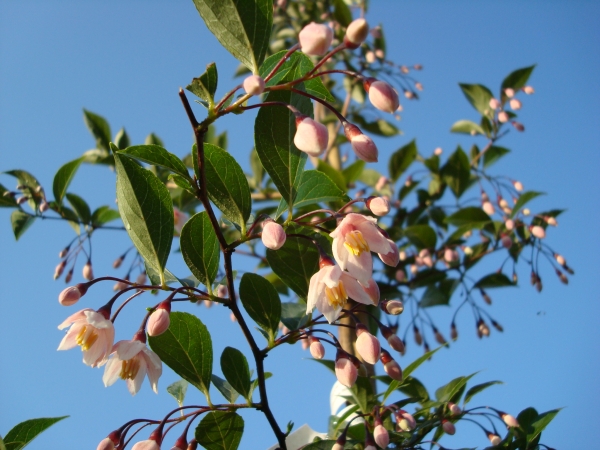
(58, 270)
(254, 85)
(273, 235)
(518, 125)
(495, 103)
(404, 69)
(380, 53)
(381, 435)
(509, 224)
(450, 255)
(316, 348)
(526, 211)
(405, 421)
(439, 338)
(448, 427)
(159, 320)
(337, 446)
(367, 345)
(419, 86)
(417, 335)
(117, 262)
(106, 444)
(378, 205)
(509, 420)
(315, 39)
(400, 274)
(382, 95)
(71, 295)
(515, 104)
(506, 241)
(538, 231)
(391, 367)
(311, 136)
(438, 151)
(494, 439)
(44, 206)
(488, 208)
(551, 221)
(304, 344)
(503, 117)
(345, 370)
(509, 92)
(370, 57)
(149, 444)
(232, 317)
(381, 183)
(454, 409)
(363, 145)
(528, 90)
(87, 272)
(393, 307)
(396, 343)
(222, 291)
(560, 259)
(356, 33)
(141, 278)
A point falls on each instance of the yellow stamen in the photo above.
(355, 243)
(86, 337)
(129, 369)
(336, 296)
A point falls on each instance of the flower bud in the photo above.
(486, 297)
(382, 95)
(482, 329)
(58, 270)
(537, 231)
(315, 39)
(311, 136)
(304, 344)
(87, 271)
(454, 409)
(405, 421)
(528, 90)
(148, 444)
(381, 183)
(391, 367)
(367, 345)
(526, 212)
(117, 262)
(560, 259)
(438, 151)
(495, 103)
(44, 206)
(141, 278)
(453, 332)
(393, 307)
(509, 224)
(497, 326)
(509, 92)
(378, 205)
(22, 200)
(506, 241)
(448, 427)
(159, 320)
(71, 295)
(494, 438)
(508, 419)
(551, 221)
(345, 370)
(518, 125)
(316, 348)
(232, 317)
(381, 436)
(503, 117)
(380, 53)
(356, 33)
(370, 57)
(393, 339)
(488, 208)
(106, 444)
(400, 275)
(254, 85)
(69, 276)
(515, 104)
(419, 86)
(363, 145)
(450, 255)
(193, 445)
(273, 235)
(439, 338)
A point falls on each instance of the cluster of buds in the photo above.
(508, 96)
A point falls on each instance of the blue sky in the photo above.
(126, 62)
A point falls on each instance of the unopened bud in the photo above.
(316, 348)
(562, 277)
(488, 208)
(141, 278)
(537, 231)
(58, 270)
(495, 103)
(448, 427)
(438, 151)
(232, 317)
(450, 255)
(509, 224)
(528, 90)
(409, 94)
(483, 329)
(315, 39)
(273, 235)
(393, 307)
(106, 444)
(509, 92)
(254, 85)
(378, 205)
(22, 200)
(497, 326)
(304, 344)
(160, 319)
(87, 271)
(117, 262)
(468, 251)
(345, 370)
(71, 295)
(439, 338)
(380, 53)
(367, 345)
(64, 252)
(381, 436)
(44, 206)
(486, 297)
(417, 335)
(551, 221)
(311, 136)
(148, 444)
(391, 367)
(363, 145)
(453, 332)
(400, 274)
(515, 104)
(382, 95)
(560, 259)
(454, 409)
(506, 241)
(69, 276)
(518, 125)
(370, 57)
(405, 421)
(356, 33)
(494, 439)
(508, 419)
(503, 117)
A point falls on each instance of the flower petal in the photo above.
(79, 315)
(361, 267)
(111, 371)
(134, 385)
(378, 243)
(355, 291)
(128, 349)
(98, 320)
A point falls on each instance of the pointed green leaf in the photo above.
(122, 139)
(524, 198)
(205, 85)
(467, 216)
(80, 206)
(493, 154)
(457, 172)
(227, 185)
(6, 201)
(243, 27)
(261, 302)
(25, 432)
(433, 297)
(422, 236)
(157, 156)
(540, 423)
(478, 388)
(220, 430)
(517, 79)
(186, 347)
(235, 368)
(200, 248)
(225, 389)
(178, 390)
(412, 387)
(20, 221)
(24, 178)
(147, 211)
(478, 95)
(153, 139)
(352, 172)
(103, 215)
(293, 315)
(295, 263)
(99, 128)
(274, 132)
(467, 127)
(342, 13)
(450, 391)
(494, 280)
(63, 178)
(401, 159)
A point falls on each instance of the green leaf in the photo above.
(6, 201)
(450, 391)
(380, 127)
(433, 297)
(353, 171)
(24, 178)
(336, 176)
(200, 248)
(540, 423)
(20, 221)
(478, 388)
(362, 392)
(467, 127)
(122, 139)
(153, 139)
(414, 388)
(157, 156)
(295, 263)
(2, 446)
(99, 128)
(243, 27)
(254, 383)
(237, 373)
(524, 198)
(401, 159)
(147, 211)
(517, 79)
(178, 390)
(274, 132)
(342, 13)
(478, 95)
(407, 371)
(227, 185)
(293, 315)
(493, 280)
(63, 178)
(422, 236)
(25, 432)
(186, 347)
(80, 206)
(103, 215)
(457, 172)
(493, 154)
(261, 302)
(468, 216)
(205, 85)
(225, 389)
(220, 430)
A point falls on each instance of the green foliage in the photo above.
(479, 96)
(20, 221)
(261, 302)
(205, 85)
(25, 432)
(63, 178)
(200, 248)
(237, 373)
(402, 159)
(220, 430)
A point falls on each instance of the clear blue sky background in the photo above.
(126, 60)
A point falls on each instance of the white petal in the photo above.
(111, 371)
(135, 384)
(79, 315)
(378, 243)
(98, 320)
(361, 267)
(128, 349)
(70, 339)
(355, 290)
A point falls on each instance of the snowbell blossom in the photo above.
(311, 136)
(382, 95)
(362, 145)
(315, 39)
(273, 235)
(93, 332)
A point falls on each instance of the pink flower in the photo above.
(315, 39)
(330, 289)
(180, 220)
(515, 104)
(405, 421)
(503, 117)
(355, 237)
(381, 95)
(71, 295)
(93, 332)
(367, 345)
(509, 420)
(131, 360)
(381, 435)
(363, 145)
(356, 33)
(495, 103)
(148, 444)
(273, 235)
(160, 319)
(448, 427)
(311, 136)
(379, 206)
(345, 370)
(254, 85)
